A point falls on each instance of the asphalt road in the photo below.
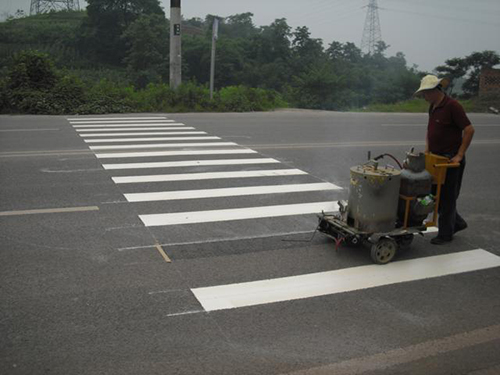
(94, 283)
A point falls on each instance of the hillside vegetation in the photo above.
(113, 57)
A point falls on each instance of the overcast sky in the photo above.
(427, 31)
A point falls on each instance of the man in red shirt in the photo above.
(449, 133)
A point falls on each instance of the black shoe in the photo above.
(440, 240)
(458, 228)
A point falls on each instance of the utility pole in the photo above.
(45, 6)
(215, 34)
(175, 44)
(371, 32)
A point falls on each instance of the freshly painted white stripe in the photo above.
(113, 155)
(119, 140)
(207, 176)
(340, 281)
(189, 163)
(124, 121)
(228, 192)
(127, 127)
(232, 214)
(165, 145)
(117, 118)
(146, 133)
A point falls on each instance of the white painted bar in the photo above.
(341, 281)
(146, 133)
(196, 217)
(116, 118)
(207, 176)
(113, 155)
(120, 127)
(164, 145)
(228, 192)
(189, 163)
(124, 121)
(119, 140)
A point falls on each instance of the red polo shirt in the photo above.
(446, 124)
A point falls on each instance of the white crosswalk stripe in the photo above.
(123, 140)
(164, 145)
(114, 155)
(207, 176)
(146, 133)
(128, 127)
(195, 217)
(339, 281)
(190, 163)
(227, 192)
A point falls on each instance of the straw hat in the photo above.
(430, 82)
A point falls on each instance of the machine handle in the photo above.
(448, 165)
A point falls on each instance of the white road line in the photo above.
(119, 140)
(189, 163)
(29, 130)
(112, 155)
(340, 281)
(123, 121)
(207, 176)
(165, 145)
(228, 192)
(232, 214)
(116, 118)
(146, 133)
(49, 211)
(120, 127)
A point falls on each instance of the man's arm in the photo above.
(466, 140)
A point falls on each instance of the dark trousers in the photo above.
(449, 220)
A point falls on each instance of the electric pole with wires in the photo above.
(45, 6)
(371, 32)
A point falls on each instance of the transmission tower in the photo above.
(45, 6)
(371, 32)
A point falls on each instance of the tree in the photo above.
(147, 42)
(108, 20)
(472, 65)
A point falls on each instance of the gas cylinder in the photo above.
(415, 182)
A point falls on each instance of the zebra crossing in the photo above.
(178, 178)
(156, 159)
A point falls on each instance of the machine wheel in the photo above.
(405, 241)
(384, 250)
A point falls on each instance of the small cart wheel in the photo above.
(405, 241)
(384, 250)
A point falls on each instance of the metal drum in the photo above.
(373, 198)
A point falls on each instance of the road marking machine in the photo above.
(388, 206)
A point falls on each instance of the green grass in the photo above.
(476, 105)
(410, 106)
